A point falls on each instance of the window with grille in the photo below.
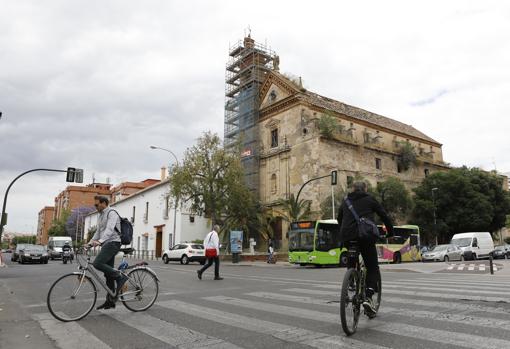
(274, 138)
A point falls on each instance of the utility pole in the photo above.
(435, 220)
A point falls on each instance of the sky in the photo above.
(92, 84)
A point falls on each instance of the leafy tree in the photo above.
(58, 226)
(75, 223)
(27, 239)
(326, 207)
(507, 240)
(407, 156)
(465, 200)
(395, 198)
(295, 210)
(210, 178)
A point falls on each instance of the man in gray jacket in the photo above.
(107, 236)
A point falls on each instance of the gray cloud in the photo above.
(93, 83)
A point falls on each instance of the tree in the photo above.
(295, 210)
(28, 239)
(210, 178)
(465, 200)
(395, 198)
(407, 156)
(75, 223)
(327, 208)
(58, 226)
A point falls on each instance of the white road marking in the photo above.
(471, 267)
(445, 337)
(176, 336)
(409, 293)
(277, 330)
(68, 334)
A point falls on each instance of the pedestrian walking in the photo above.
(212, 253)
(270, 251)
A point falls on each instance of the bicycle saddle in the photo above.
(128, 250)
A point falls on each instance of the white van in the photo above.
(474, 245)
(55, 244)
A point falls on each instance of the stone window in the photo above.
(399, 168)
(274, 138)
(350, 180)
(273, 184)
(378, 163)
(426, 172)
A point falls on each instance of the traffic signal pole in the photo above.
(3, 217)
(334, 178)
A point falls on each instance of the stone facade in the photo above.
(293, 150)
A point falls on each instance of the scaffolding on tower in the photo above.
(246, 70)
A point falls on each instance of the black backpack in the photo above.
(126, 230)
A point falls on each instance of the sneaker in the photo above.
(199, 274)
(368, 305)
(120, 282)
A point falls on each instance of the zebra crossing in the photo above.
(420, 312)
(471, 267)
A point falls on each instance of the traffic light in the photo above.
(70, 174)
(334, 177)
(78, 178)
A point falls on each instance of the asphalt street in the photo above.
(431, 305)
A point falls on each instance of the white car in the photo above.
(185, 252)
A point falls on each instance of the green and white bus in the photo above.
(316, 242)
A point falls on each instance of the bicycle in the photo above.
(353, 292)
(73, 296)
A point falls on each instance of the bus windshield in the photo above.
(301, 240)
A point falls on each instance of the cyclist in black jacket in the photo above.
(366, 206)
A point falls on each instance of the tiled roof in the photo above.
(360, 114)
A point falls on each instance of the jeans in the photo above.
(210, 261)
(105, 262)
(369, 254)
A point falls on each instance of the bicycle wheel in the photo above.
(376, 298)
(72, 297)
(349, 302)
(141, 290)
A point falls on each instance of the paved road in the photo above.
(259, 306)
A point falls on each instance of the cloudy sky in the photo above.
(92, 84)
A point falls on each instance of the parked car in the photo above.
(185, 253)
(33, 254)
(474, 245)
(15, 253)
(501, 252)
(444, 253)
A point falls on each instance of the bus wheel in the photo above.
(343, 259)
(397, 258)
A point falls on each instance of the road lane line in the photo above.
(334, 317)
(68, 334)
(464, 340)
(170, 333)
(385, 300)
(277, 330)
(443, 289)
(471, 267)
(408, 293)
(424, 284)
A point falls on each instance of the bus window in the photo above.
(301, 240)
(327, 237)
(414, 240)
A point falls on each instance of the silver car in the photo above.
(443, 253)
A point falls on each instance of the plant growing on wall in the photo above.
(328, 125)
(407, 156)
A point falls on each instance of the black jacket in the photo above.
(365, 206)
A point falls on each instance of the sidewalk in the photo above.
(17, 328)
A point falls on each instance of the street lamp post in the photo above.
(176, 199)
(435, 220)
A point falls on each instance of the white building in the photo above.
(152, 213)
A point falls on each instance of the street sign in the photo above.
(334, 177)
(71, 172)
